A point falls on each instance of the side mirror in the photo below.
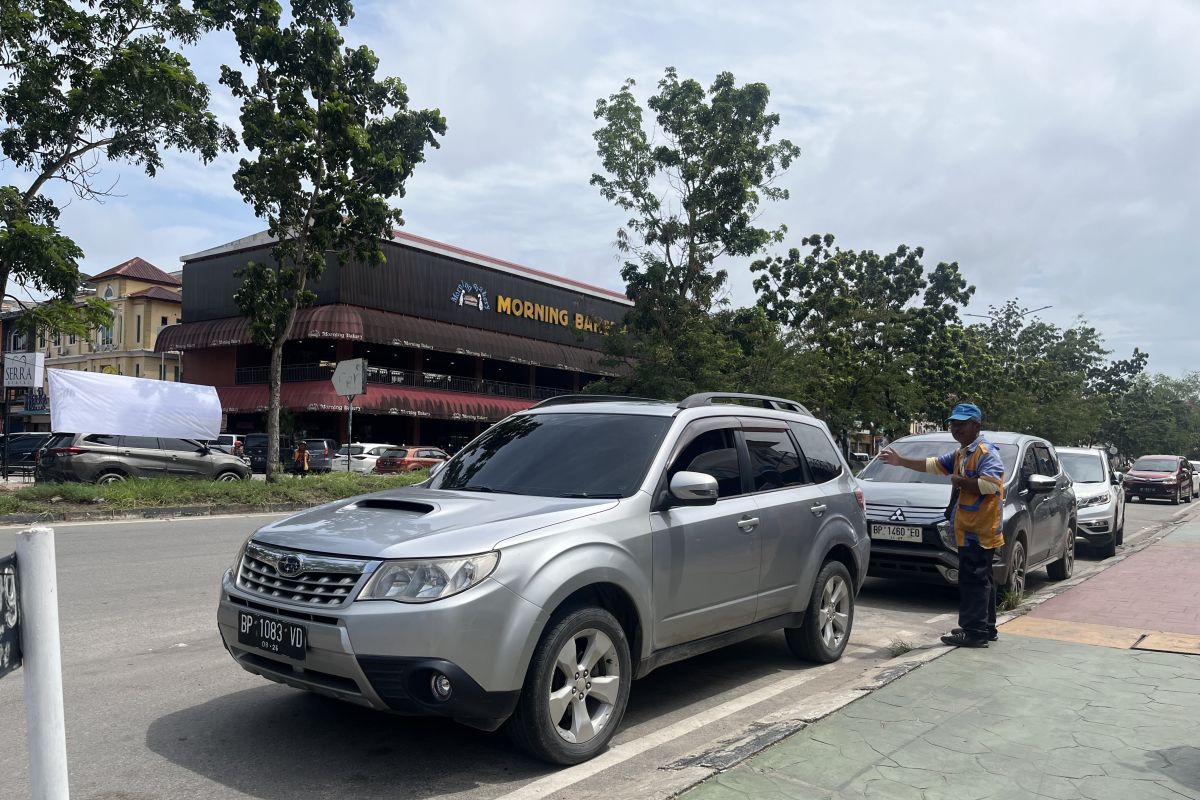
(1042, 483)
(1118, 478)
(694, 488)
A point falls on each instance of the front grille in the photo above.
(311, 579)
(913, 515)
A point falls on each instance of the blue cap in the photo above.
(965, 411)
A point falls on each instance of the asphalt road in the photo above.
(156, 709)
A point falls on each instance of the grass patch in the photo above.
(1010, 600)
(899, 647)
(133, 495)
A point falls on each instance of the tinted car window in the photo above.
(356, 450)
(712, 453)
(558, 455)
(103, 438)
(396, 454)
(774, 462)
(1045, 461)
(145, 442)
(1155, 464)
(823, 461)
(179, 445)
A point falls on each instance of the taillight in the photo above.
(67, 451)
(862, 500)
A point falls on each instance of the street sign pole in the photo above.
(350, 381)
(349, 429)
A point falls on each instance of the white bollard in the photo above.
(42, 656)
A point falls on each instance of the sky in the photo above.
(1051, 149)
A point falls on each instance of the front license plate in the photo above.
(272, 635)
(896, 533)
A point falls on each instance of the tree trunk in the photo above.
(274, 379)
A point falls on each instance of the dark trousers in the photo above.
(976, 591)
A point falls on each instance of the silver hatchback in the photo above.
(105, 458)
(566, 551)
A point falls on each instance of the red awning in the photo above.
(384, 327)
(379, 399)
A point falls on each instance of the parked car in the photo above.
(254, 447)
(912, 539)
(360, 455)
(1099, 498)
(1195, 477)
(409, 459)
(1165, 477)
(23, 449)
(104, 458)
(569, 549)
(320, 455)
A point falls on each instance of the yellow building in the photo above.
(144, 300)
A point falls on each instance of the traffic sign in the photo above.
(350, 377)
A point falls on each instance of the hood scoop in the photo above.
(391, 504)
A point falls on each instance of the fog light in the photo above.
(952, 575)
(440, 685)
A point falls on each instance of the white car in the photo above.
(1195, 478)
(361, 456)
(1099, 498)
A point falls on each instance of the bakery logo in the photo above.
(472, 295)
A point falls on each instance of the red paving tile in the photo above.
(1157, 589)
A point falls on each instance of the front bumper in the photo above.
(1094, 525)
(1151, 489)
(926, 562)
(383, 654)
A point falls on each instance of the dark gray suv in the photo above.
(906, 512)
(104, 458)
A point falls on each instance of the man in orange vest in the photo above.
(300, 458)
(977, 475)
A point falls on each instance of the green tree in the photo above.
(331, 145)
(693, 185)
(87, 82)
(878, 337)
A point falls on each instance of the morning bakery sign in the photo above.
(473, 296)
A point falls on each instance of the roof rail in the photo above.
(572, 399)
(766, 401)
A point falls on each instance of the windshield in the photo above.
(1083, 467)
(356, 450)
(559, 455)
(1156, 464)
(883, 473)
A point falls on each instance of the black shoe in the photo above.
(961, 639)
(993, 637)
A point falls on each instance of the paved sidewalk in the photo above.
(1081, 704)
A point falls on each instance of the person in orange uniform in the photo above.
(300, 458)
(977, 473)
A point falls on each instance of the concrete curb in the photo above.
(163, 512)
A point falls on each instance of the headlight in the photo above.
(237, 560)
(947, 535)
(425, 580)
(1098, 500)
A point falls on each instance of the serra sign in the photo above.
(24, 370)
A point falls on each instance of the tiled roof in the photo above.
(139, 269)
(159, 293)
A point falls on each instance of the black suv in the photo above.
(906, 513)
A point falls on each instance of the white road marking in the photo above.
(544, 787)
(940, 618)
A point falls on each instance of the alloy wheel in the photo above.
(833, 618)
(585, 686)
(1016, 575)
(111, 477)
(1069, 555)
(228, 476)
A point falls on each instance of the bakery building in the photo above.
(454, 341)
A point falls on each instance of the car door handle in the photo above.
(818, 509)
(748, 524)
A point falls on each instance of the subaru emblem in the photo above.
(897, 515)
(290, 566)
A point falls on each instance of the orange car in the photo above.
(409, 459)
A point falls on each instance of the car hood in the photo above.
(908, 495)
(1141, 473)
(418, 523)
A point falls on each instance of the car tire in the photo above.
(1017, 564)
(228, 475)
(1119, 530)
(587, 633)
(829, 618)
(1064, 567)
(1175, 499)
(1109, 548)
(111, 476)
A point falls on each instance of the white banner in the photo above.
(92, 402)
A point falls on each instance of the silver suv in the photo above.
(105, 458)
(566, 551)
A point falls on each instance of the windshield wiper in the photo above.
(486, 489)
(593, 496)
